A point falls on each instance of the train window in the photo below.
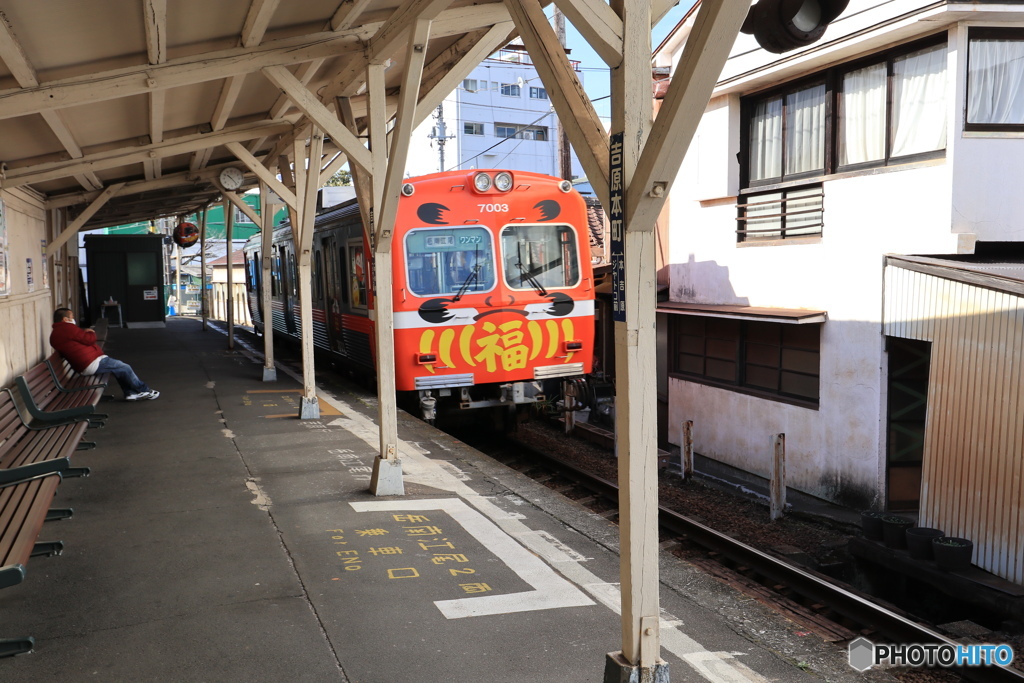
(357, 274)
(318, 275)
(342, 278)
(540, 256)
(275, 273)
(449, 260)
(293, 278)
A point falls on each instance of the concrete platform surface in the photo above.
(220, 538)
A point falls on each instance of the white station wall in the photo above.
(837, 451)
(25, 313)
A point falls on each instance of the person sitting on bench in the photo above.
(79, 348)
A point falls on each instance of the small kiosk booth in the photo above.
(126, 279)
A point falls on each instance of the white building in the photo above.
(900, 132)
(499, 117)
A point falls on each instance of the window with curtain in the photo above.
(871, 130)
(787, 135)
(891, 109)
(995, 79)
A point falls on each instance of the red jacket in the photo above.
(78, 346)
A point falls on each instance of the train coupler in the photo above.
(428, 406)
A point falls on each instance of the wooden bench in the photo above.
(42, 398)
(24, 507)
(67, 380)
(33, 461)
(27, 451)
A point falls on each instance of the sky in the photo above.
(595, 71)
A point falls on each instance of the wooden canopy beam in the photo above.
(582, 124)
(241, 205)
(209, 66)
(598, 24)
(347, 13)
(264, 174)
(84, 217)
(707, 48)
(402, 131)
(138, 186)
(13, 55)
(119, 157)
(319, 114)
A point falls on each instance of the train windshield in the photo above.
(449, 260)
(540, 256)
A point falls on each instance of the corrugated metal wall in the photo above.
(973, 476)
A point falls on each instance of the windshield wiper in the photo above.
(467, 282)
(531, 279)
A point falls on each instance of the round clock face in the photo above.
(231, 178)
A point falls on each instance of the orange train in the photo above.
(493, 288)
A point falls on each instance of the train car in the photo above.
(493, 288)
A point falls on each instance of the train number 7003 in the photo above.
(493, 208)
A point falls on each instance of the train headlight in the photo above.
(565, 186)
(408, 189)
(425, 358)
(482, 182)
(573, 345)
(503, 181)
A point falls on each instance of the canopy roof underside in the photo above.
(148, 92)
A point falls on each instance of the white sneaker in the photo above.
(150, 395)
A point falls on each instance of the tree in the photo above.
(340, 178)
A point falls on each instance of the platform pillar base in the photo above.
(617, 669)
(269, 374)
(310, 409)
(386, 479)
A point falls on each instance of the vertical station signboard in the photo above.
(616, 217)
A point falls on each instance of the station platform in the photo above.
(220, 538)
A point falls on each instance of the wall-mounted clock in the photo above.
(231, 178)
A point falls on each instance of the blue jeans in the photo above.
(123, 373)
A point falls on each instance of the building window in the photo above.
(995, 71)
(784, 214)
(472, 128)
(241, 217)
(510, 130)
(538, 93)
(472, 85)
(774, 360)
(511, 90)
(890, 108)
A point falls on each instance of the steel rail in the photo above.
(859, 608)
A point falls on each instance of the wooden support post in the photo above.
(229, 224)
(202, 266)
(636, 412)
(266, 302)
(777, 478)
(686, 451)
(307, 182)
(386, 479)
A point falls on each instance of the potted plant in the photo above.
(919, 541)
(871, 524)
(952, 554)
(894, 531)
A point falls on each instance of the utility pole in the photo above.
(440, 133)
(564, 153)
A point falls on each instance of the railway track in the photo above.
(836, 612)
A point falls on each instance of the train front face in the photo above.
(494, 291)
